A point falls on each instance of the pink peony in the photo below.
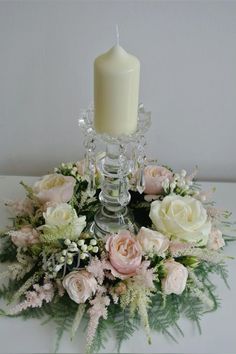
(80, 285)
(125, 254)
(154, 176)
(55, 188)
(24, 237)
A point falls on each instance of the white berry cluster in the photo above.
(82, 249)
(180, 184)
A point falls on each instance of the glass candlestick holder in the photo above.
(123, 159)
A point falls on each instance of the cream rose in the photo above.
(152, 241)
(176, 278)
(61, 215)
(125, 254)
(80, 285)
(55, 188)
(182, 218)
(216, 240)
(24, 237)
(154, 176)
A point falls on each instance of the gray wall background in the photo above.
(188, 79)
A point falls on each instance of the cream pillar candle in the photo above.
(116, 92)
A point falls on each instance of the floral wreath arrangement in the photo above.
(61, 271)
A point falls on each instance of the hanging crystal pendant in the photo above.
(140, 181)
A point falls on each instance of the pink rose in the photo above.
(21, 207)
(80, 285)
(152, 241)
(125, 254)
(176, 278)
(55, 188)
(216, 240)
(24, 237)
(154, 176)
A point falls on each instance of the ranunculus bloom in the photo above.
(216, 240)
(24, 237)
(125, 254)
(182, 218)
(80, 285)
(176, 278)
(152, 241)
(63, 214)
(154, 176)
(55, 188)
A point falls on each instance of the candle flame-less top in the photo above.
(116, 92)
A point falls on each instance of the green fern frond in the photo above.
(164, 314)
(102, 334)
(192, 308)
(124, 327)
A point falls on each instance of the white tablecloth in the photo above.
(218, 328)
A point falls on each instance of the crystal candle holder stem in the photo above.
(124, 156)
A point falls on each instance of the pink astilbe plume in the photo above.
(96, 311)
(203, 196)
(177, 248)
(216, 214)
(36, 297)
(96, 268)
(145, 276)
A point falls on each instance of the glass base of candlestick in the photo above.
(107, 222)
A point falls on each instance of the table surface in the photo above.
(218, 328)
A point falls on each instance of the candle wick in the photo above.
(117, 35)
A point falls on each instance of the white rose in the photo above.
(55, 188)
(183, 218)
(176, 278)
(216, 240)
(80, 285)
(61, 215)
(152, 241)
